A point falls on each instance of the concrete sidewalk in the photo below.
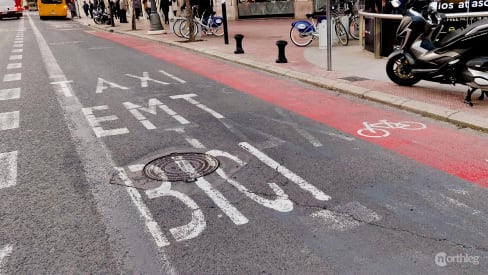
(355, 71)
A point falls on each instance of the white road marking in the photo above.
(145, 78)
(235, 215)
(64, 87)
(4, 253)
(153, 104)
(347, 216)
(18, 46)
(172, 76)
(319, 195)
(195, 143)
(151, 225)
(12, 77)
(95, 122)
(9, 120)
(101, 87)
(9, 94)
(8, 169)
(15, 57)
(197, 224)
(281, 203)
(17, 50)
(188, 97)
(11, 66)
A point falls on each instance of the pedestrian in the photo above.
(86, 7)
(101, 6)
(147, 7)
(137, 8)
(117, 9)
(90, 8)
(124, 5)
(72, 9)
(164, 4)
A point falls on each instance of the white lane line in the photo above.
(12, 77)
(8, 169)
(4, 253)
(151, 225)
(18, 45)
(17, 50)
(11, 66)
(8, 94)
(319, 195)
(64, 87)
(172, 76)
(15, 57)
(9, 120)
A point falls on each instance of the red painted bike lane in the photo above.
(445, 148)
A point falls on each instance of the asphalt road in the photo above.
(299, 188)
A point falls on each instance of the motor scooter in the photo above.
(422, 53)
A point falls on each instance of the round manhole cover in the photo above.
(181, 167)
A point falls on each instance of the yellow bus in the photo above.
(55, 8)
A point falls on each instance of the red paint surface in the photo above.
(446, 149)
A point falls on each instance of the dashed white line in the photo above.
(12, 77)
(8, 94)
(8, 170)
(11, 66)
(4, 253)
(15, 57)
(9, 120)
(17, 50)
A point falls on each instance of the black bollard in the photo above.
(281, 51)
(239, 48)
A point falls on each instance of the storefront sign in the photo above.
(452, 6)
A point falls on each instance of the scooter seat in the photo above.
(454, 35)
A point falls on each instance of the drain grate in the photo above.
(185, 167)
(354, 78)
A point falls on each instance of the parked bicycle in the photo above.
(353, 19)
(208, 24)
(303, 32)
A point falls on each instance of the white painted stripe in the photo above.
(197, 224)
(9, 94)
(15, 57)
(151, 225)
(9, 120)
(313, 140)
(188, 97)
(64, 87)
(145, 78)
(17, 50)
(319, 195)
(12, 77)
(195, 143)
(172, 76)
(136, 167)
(219, 199)
(18, 45)
(11, 66)
(4, 253)
(8, 169)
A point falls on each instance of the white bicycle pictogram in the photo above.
(377, 130)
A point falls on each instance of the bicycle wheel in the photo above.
(185, 29)
(218, 31)
(341, 33)
(300, 38)
(375, 133)
(176, 27)
(354, 27)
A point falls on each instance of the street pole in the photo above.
(133, 16)
(224, 18)
(156, 26)
(329, 36)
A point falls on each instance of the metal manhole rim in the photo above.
(169, 167)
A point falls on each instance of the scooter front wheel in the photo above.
(399, 71)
